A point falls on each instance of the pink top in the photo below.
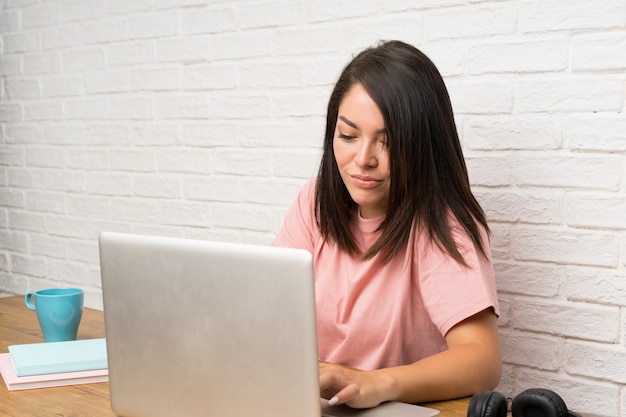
(372, 317)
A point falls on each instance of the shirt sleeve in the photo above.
(299, 227)
(453, 292)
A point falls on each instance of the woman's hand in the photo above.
(354, 387)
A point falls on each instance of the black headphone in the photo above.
(530, 403)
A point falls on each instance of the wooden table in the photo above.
(19, 325)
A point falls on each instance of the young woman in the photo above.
(406, 297)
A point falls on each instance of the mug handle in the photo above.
(29, 300)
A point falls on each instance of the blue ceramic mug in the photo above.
(59, 311)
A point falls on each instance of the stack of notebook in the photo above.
(53, 364)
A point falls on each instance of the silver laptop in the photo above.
(199, 328)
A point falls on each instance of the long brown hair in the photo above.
(428, 176)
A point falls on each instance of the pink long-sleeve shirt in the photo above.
(373, 316)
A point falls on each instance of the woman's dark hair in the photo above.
(428, 176)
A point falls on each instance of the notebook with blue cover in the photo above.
(57, 357)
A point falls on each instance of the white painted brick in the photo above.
(296, 164)
(10, 112)
(48, 246)
(84, 251)
(106, 32)
(45, 201)
(188, 160)
(405, 26)
(242, 162)
(166, 4)
(269, 191)
(61, 37)
(473, 21)
(14, 240)
(14, 43)
(214, 188)
(470, 96)
(130, 108)
(153, 25)
(155, 79)
(85, 59)
(240, 107)
(65, 226)
(513, 132)
(542, 16)
(88, 206)
(153, 134)
(54, 179)
(585, 396)
(19, 89)
(10, 21)
(514, 206)
(10, 155)
(85, 108)
(210, 20)
(597, 210)
(45, 157)
(109, 81)
(77, 10)
(209, 134)
(39, 15)
(566, 246)
(11, 65)
(304, 40)
(240, 45)
(23, 134)
(272, 75)
(28, 265)
(134, 210)
(537, 55)
(242, 216)
(296, 104)
(62, 86)
(526, 278)
(599, 52)
(605, 286)
(160, 186)
(133, 160)
(31, 221)
(568, 94)
(109, 134)
(12, 198)
(526, 349)
(488, 171)
(42, 63)
(307, 130)
(576, 320)
(210, 77)
(327, 10)
(43, 110)
(107, 184)
(571, 170)
(605, 132)
(182, 107)
(597, 361)
(181, 213)
(127, 7)
(188, 49)
(131, 53)
(278, 13)
(88, 159)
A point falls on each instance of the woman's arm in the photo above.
(471, 364)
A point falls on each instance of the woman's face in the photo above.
(361, 152)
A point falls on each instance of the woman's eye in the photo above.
(345, 137)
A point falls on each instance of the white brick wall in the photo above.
(201, 119)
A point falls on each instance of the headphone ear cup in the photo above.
(539, 403)
(487, 404)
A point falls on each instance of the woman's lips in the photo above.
(364, 181)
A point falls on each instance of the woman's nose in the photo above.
(367, 155)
